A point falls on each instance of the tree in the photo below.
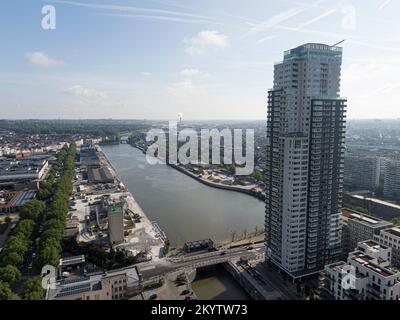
(12, 258)
(396, 221)
(49, 255)
(9, 274)
(25, 228)
(33, 289)
(18, 244)
(32, 209)
(5, 291)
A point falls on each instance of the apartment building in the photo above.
(367, 275)
(391, 185)
(357, 227)
(304, 160)
(391, 237)
(361, 172)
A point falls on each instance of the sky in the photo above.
(205, 59)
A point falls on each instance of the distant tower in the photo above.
(116, 223)
(180, 117)
(305, 149)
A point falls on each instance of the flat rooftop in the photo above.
(366, 261)
(393, 231)
(16, 198)
(364, 218)
(100, 175)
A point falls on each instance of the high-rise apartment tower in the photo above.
(304, 165)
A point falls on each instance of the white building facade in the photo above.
(367, 275)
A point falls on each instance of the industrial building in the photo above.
(24, 169)
(12, 201)
(88, 156)
(99, 175)
(116, 223)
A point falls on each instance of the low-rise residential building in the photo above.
(357, 226)
(367, 275)
(391, 237)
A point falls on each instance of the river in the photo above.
(184, 208)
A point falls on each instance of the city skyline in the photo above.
(155, 59)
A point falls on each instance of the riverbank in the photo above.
(248, 191)
(146, 235)
(257, 194)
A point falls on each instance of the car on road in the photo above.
(180, 283)
(250, 248)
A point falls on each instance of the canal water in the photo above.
(184, 208)
(218, 285)
(188, 210)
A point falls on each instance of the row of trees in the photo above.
(54, 225)
(46, 187)
(93, 127)
(96, 254)
(17, 246)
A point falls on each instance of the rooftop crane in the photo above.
(336, 44)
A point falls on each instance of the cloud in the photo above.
(192, 72)
(140, 12)
(182, 89)
(40, 59)
(372, 83)
(273, 21)
(320, 17)
(206, 40)
(146, 74)
(267, 38)
(384, 4)
(78, 90)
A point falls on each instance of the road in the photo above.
(161, 267)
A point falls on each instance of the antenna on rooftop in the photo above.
(336, 44)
